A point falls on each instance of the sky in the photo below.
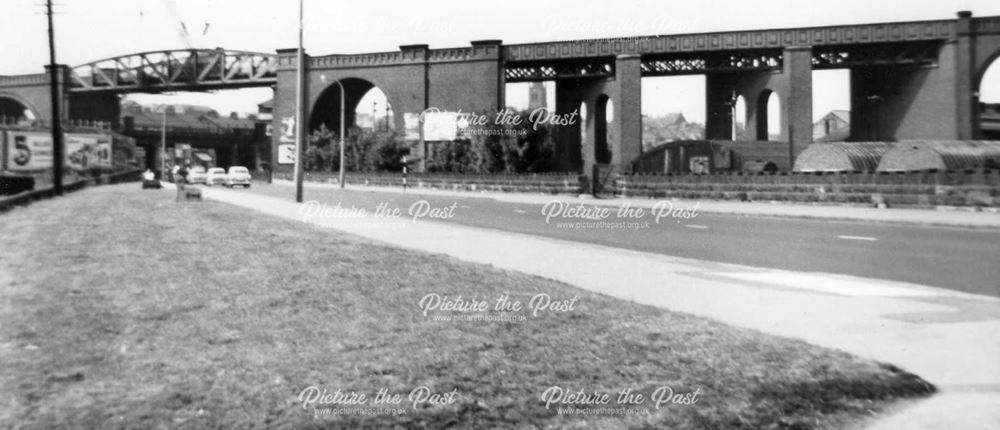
(89, 30)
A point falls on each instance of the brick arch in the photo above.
(763, 115)
(324, 108)
(403, 86)
(23, 102)
(990, 62)
(987, 53)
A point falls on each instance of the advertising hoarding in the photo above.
(28, 151)
(286, 154)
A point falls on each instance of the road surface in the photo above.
(960, 259)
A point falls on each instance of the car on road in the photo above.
(197, 175)
(215, 175)
(238, 175)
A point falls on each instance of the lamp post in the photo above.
(163, 144)
(874, 101)
(386, 116)
(343, 95)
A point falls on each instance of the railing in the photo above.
(548, 183)
(48, 192)
(974, 187)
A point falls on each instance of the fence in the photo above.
(547, 183)
(45, 193)
(974, 187)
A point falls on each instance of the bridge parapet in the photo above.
(986, 25)
(358, 60)
(407, 55)
(742, 40)
(24, 80)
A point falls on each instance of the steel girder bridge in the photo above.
(175, 70)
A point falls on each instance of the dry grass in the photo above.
(122, 309)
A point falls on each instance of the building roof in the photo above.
(838, 135)
(941, 155)
(844, 115)
(197, 122)
(743, 151)
(841, 156)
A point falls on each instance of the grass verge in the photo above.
(120, 308)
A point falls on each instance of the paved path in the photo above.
(958, 217)
(948, 338)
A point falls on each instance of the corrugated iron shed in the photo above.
(842, 156)
(941, 155)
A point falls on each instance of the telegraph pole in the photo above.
(57, 141)
(299, 125)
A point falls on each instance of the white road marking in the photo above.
(842, 285)
(519, 211)
(870, 239)
(698, 226)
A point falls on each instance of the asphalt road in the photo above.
(960, 259)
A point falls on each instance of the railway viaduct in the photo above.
(909, 80)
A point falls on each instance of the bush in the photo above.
(364, 151)
(496, 149)
(487, 149)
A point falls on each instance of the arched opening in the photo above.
(831, 105)
(374, 111)
(989, 100)
(768, 115)
(603, 113)
(673, 108)
(365, 106)
(528, 96)
(740, 119)
(13, 112)
(222, 128)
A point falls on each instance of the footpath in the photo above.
(952, 217)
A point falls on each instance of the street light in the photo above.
(343, 96)
(163, 144)
(163, 141)
(299, 126)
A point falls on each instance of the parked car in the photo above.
(197, 175)
(215, 175)
(238, 175)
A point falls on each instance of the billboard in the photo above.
(33, 151)
(28, 151)
(286, 154)
(411, 122)
(440, 126)
(84, 151)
